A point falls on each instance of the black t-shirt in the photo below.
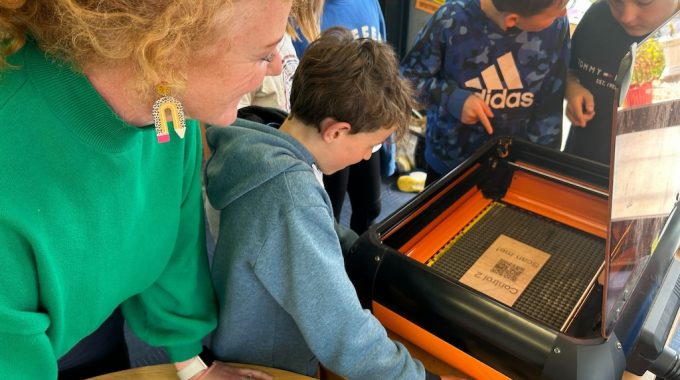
(597, 47)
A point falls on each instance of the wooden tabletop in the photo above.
(167, 372)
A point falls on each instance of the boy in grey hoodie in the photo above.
(285, 298)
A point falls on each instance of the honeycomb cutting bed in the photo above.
(553, 294)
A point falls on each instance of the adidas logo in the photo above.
(502, 93)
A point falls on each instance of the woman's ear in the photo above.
(332, 129)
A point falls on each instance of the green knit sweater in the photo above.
(94, 213)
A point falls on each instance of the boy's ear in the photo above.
(510, 20)
(331, 129)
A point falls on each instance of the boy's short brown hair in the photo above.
(356, 81)
(525, 8)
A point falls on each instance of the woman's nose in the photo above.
(274, 67)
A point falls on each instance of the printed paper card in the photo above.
(505, 269)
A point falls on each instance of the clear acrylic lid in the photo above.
(645, 170)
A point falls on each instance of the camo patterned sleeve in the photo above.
(545, 126)
(424, 62)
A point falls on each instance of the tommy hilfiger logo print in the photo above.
(502, 85)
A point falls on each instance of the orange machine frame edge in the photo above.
(435, 346)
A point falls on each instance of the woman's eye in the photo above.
(269, 58)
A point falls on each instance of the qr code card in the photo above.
(505, 269)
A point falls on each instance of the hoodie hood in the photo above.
(263, 153)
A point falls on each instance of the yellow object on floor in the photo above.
(414, 182)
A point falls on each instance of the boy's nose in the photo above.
(628, 13)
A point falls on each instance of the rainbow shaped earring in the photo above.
(159, 111)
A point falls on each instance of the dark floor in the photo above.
(391, 198)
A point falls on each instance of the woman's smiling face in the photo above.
(243, 52)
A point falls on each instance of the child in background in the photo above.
(488, 67)
(278, 269)
(616, 24)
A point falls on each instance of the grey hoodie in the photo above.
(285, 298)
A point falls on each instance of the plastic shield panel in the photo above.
(645, 171)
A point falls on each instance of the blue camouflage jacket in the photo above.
(519, 74)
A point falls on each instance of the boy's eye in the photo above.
(269, 57)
